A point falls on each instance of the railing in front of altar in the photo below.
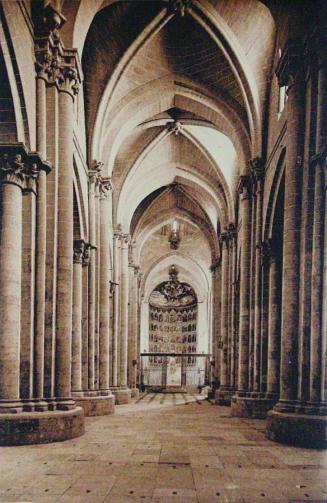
(173, 370)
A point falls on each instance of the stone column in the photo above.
(258, 172)
(12, 184)
(68, 79)
(273, 326)
(292, 422)
(85, 322)
(41, 243)
(292, 228)
(233, 248)
(77, 318)
(216, 301)
(252, 287)
(94, 176)
(123, 311)
(244, 324)
(222, 396)
(104, 291)
(133, 329)
(116, 304)
(245, 236)
(123, 394)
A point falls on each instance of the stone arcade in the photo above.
(142, 137)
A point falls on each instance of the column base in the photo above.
(11, 406)
(301, 430)
(122, 396)
(135, 392)
(65, 403)
(252, 405)
(223, 395)
(41, 427)
(96, 405)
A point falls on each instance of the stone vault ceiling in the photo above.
(176, 101)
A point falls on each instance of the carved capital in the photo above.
(86, 254)
(231, 231)
(49, 20)
(245, 186)
(57, 65)
(95, 173)
(257, 168)
(118, 232)
(79, 248)
(105, 187)
(68, 77)
(224, 238)
(125, 239)
(20, 167)
(179, 7)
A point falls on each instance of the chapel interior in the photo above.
(163, 217)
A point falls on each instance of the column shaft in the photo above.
(257, 287)
(116, 313)
(92, 281)
(291, 252)
(224, 381)
(104, 293)
(41, 242)
(123, 313)
(77, 318)
(10, 296)
(65, 253)
(245, 235)
(273, 330)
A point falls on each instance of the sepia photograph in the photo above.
(163, 251)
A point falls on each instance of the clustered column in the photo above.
(245, 187)
(300, 415)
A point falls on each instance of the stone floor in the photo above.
(164, 448)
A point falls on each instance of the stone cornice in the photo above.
(20, 167)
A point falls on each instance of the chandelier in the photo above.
(174, 236)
